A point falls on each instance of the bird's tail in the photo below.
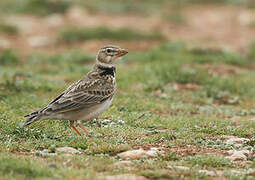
(32, 117)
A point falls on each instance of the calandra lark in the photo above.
(87, 98)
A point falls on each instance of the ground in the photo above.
(185, 101)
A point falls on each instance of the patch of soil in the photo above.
(187, 86)
(185, 150)
(223, 69)
(223, 27)
(190, 150)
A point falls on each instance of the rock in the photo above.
(160, 93)
(76, 14)
(54, 20)
(232, 140)
(4, 43)
(236, 172)
(235, 118)
(251, 172)
(252, 119)
(211, 173)
(238, 155)
(123, 177)
(181, 168)
(53, 165)
(152, 153)
(44, 153)
(25, 24)
(187, 86)
(122, 163)
(39, 41)
(137, 154)
(52, 148)
(68, 150)
(246, 18)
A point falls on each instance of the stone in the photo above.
(4, 43)
(39, 41)
(232, 140)
(52, 165)
(252, 119)
(54, 20)
(246, 18)
(76, 14)
(125, 165)
(139, 153)
(211, 173)
(44, 153)
(25, 24)
(68, 150)
(123, 177)
(152, 153)
(236, 172)
(238, 155)
(181, 168)
(122, 163)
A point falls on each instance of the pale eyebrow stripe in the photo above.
(113, 47)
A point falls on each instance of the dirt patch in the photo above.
(229, 27)
(224, 27)
(191, 150)
(187, 86)
(222, 69)
(185, 150)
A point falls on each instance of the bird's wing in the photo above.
(81, 94)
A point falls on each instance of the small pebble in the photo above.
(53, 165)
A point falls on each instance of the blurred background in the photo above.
(30, 26)
(185, 87)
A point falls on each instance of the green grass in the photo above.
(175, 17)
(75, 34)
(149, 7)
(8, 29)
(22, 168)
(173, 97)
(209, 160)
(148, 111)
(9, 57)
(35, 7)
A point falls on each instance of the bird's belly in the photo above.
(95, 111)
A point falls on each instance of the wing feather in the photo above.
(81, 95)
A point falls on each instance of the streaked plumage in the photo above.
(87, 98)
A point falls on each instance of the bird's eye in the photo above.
(108, 50)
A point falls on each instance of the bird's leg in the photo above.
(84, 129)
(74, 128)
(97, 122)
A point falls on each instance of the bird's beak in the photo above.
(122, 52)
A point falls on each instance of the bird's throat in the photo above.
(107, 70)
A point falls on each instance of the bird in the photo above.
(87, 98)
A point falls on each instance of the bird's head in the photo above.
(110, 54)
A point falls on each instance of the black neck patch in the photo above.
(107, 70)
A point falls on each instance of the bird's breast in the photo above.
(95, 111)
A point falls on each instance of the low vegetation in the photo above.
(182, 101)
(8, 29)
(177, 102)
(46, 7)
(82, 34)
